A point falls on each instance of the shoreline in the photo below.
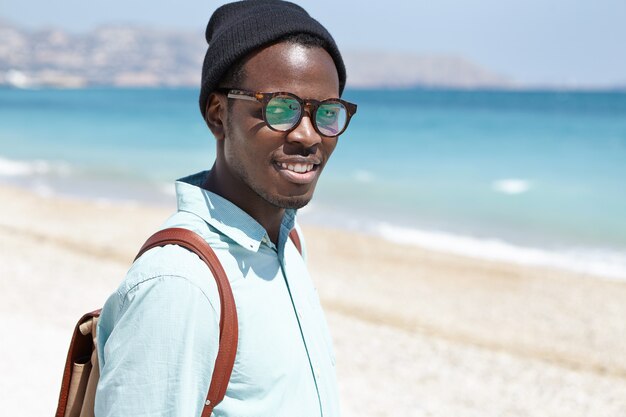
(441, 334)
(597, 262)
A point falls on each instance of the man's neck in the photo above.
(238, 193)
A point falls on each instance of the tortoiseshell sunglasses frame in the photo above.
(313, 105)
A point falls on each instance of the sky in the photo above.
(563, 42)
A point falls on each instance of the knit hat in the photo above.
(236, 29)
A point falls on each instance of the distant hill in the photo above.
(112, 56)
(397, 70)
(131, 56)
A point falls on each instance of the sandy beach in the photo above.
(416, 332)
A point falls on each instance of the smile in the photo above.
(299, 168)
(297, 172)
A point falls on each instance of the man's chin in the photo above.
(287, 202)
(290, 202)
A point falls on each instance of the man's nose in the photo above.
(305, 133)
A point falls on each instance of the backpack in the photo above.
(81, 372)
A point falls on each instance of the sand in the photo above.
(417, 333)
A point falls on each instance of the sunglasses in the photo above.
(283, 112)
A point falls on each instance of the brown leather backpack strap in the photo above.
(228, 313)
(293, 235)
(79, 346)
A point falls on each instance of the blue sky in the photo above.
(533, 41)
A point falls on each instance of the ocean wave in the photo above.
(17, 168)
(363, 176)
(607, 263)
(511, 186)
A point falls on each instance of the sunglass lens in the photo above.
(331, 118)
(282, 112)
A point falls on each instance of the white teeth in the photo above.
(299, 168)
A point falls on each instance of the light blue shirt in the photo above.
(158, 333)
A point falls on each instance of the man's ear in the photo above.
(215, 115)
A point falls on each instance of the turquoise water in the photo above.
(536, 170)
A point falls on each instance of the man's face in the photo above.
(267, 161)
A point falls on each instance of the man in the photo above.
(270, 85)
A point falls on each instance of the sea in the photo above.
(530, 177)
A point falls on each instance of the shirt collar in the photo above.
(225, 216)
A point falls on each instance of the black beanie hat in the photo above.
(236, 29)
